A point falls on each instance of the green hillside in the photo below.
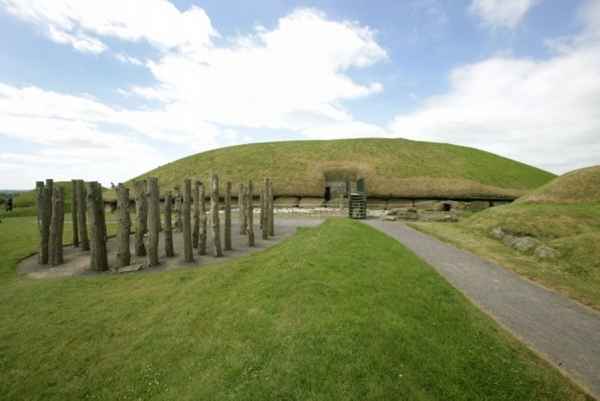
(24, 203)
(563, 215)
(391, 167)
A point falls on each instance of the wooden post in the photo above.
(95, 205)
(270, 225)
(228, 246)
(196, 218)
(214, 213)
(153, 221)
(250, 213)
(188, 252)
(242, 209)
(178, 207)
(141, 221)
(123, 252)
(261, 204)
(263, 213)
(74, 213)
(57, 227)
(169, 251)
(84, 241)
(43, 221)
(203, 221)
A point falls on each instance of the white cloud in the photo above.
(156, 21)
(501, 13)
(544, 112)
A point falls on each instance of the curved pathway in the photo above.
(565, 332)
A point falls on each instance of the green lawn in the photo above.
(339, 312)
(391, 167)
(572, 229)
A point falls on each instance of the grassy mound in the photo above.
(564, 215)
(391, 167)
(314, 318)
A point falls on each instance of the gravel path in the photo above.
(563, 331)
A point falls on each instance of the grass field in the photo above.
(391, 167)
(564, 214)
(24, 203)
(339, 312)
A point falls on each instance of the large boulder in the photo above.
(545, 252)
(525, 244)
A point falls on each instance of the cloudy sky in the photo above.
(108, 89)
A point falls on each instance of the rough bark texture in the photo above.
(43, 221)
(178, 209)
(250, 213)
(95, 205)
(74, 213)
(228, 246)
(242, 209)
(124, 230)
(203, 221)
(270, 208)
(57, 227)
(141, 220)
(188, 250)
(214, 213)
(153, 221)
(196, 218)
(263, 214)
(169, 251)
(84, 241)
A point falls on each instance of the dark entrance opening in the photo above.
(327, 194)
(446, 207)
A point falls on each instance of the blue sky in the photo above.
(107, 90)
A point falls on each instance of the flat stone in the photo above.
(498, 233)
(545, 252)
(525, 244)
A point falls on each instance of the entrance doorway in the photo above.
(327, 194)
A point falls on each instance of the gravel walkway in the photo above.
(563, 331)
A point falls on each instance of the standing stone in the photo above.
(242, 209)
(269, 208)
(123, 252)
(263, 214)
(169, 251)
(196, 217)
(95, 205)
(74, 215)
(43, 220)
(214, 213)
(57, 227)
(141, 221)
(178, 207)
(188, 251)
(228, 246)
(250, 213)
(153, 221)
(84, 241)
(203, 221)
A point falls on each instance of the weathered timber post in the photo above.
(153, 221)
(261, 204)
(203, 221)
(214, 213)
(57, 226)
(95, 205)
(270, 208)
(228, 216)
(196, 216)
(188, 251)
(250, 213)
(43, 220)
(169, 251)
(123, 252)
(84, 241)
(141, 221)
(74, 213)
(263, 213)
(242, 208)
(178, 207)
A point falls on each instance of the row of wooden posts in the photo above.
(87, 203)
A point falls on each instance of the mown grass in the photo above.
(579, 186)
(339, 312)
(572, 229)
(391, 167)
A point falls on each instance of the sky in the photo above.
(106, 90)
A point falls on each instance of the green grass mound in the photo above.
(578, 186)
(391, 167)
(339, 312)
